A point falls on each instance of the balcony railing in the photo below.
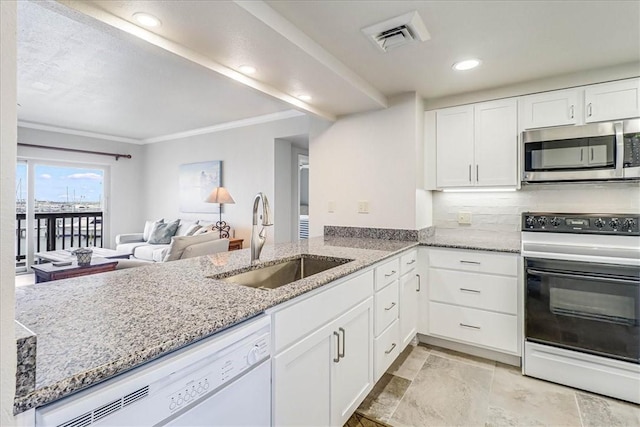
(59, 230)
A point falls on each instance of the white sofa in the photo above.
(183, 244)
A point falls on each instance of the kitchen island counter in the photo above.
(91, 328)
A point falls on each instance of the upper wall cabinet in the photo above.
(612, 101)
(556, 108)
(476, 145)
(595, 103)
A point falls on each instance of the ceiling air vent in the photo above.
(398, 31)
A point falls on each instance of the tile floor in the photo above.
(431, 386)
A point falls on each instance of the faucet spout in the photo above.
(259, 238)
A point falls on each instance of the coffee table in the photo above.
(47, 272)
(63, 255)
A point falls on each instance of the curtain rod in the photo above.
(101, 153)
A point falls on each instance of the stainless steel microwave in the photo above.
(592, 152)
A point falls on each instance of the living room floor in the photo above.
(432, 386)
(25, 279)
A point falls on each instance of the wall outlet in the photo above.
(363, 206)
(464, 217)
(331, 206)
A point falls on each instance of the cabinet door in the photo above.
(353, 374)
(556, 108)
(454, 146)
(423, 291)
(612, 101)
(302, 381)
(408, 308)
(496, 143)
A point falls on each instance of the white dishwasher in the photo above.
(223, 380)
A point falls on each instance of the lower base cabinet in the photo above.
(323, 378)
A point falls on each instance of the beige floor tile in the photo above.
(408, 364)
(524, 401)
(384, 397)
(462, 357)
(599, 411)
(446, 392)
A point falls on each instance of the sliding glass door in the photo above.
(58, 207)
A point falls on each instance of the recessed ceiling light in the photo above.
(247, 69)
(304, 97)
(146, 19)
(466, 65)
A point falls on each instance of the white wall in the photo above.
(125, 175)
(248, 160)
(369, 156)
(283, 182)
(502, 211)
(8, 123)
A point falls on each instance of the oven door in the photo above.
(593, 308)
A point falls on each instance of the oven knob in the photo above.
(599, 223)
(542, 221)
(555, 221)
(628, 224)
(531, 221)
(614, 223)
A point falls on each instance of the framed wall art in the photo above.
(197, 180)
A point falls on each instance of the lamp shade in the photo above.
(220, 195)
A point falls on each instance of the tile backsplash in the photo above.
(502, 210)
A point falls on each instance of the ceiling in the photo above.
(86, 67)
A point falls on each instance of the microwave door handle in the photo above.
(617, 126)
(536, 272)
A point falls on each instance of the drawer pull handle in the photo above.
(411, 262)
(337, 335)
(393, 304)
(390, 274)
(473, 291)
(344, 337)
(469, 262)
(393, 345)
(464, 325)
(419, 283)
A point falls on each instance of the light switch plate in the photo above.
(363, 206)
(464, 217)
(331, 206)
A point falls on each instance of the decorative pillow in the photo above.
(180, 243)
(206, 229)
(163, 232)
(187, 227)
(148, 226)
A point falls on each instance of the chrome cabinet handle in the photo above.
(344, 338)
(571, 111)
(464, 325)
(337, 359)
(411, 262)
(469, 262)
(469, 172)
(589, 110)
(390, 274)
(477, 173)
(581, 154)
(473, 291)
(419, 284)
(592, 154)
(393, 304)
(393, 345)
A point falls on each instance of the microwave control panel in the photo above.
(620, 224)
(631, 150)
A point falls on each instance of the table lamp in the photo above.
(221, 196)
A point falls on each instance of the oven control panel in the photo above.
(618, 224)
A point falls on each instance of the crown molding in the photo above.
(38, 126)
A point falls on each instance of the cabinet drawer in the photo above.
(408, 262)
(494, 330)
(386, 348)
(295, 321)
(387, 273)
(484, 291)
(477, 261)
(386, 307)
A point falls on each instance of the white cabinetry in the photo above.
(386, 346)
(476, 145)
(408, 298)
(612, 101)
(473, 298)
(323, 367)
(556, 108)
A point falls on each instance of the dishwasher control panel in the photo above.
(223, 368)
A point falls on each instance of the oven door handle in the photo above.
(619, 149)
(582, 276)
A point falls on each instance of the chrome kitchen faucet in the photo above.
(258, 239)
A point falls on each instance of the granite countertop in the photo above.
(91, 328)
(460, 238)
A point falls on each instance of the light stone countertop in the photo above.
(93, 327)
(461, 238)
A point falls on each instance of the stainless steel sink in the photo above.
(283, 273)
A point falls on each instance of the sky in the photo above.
(61, 184)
